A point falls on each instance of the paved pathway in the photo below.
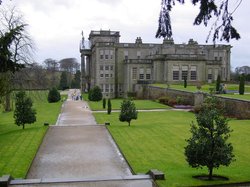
(76, 147)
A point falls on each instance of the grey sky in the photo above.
(56, 25)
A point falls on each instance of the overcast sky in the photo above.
(56, 25)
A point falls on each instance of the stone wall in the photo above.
(151, 92)
(234, 107)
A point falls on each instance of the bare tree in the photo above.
(69, 64)
(22, 47)
(51, 64)
(18, 49)
(52, 67)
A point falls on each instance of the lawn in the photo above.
(206, 87)
(17, 146)
(157, 139)
(116, 104)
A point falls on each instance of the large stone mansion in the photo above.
(118, 67)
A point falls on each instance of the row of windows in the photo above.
(107, 88)
(184, 74)
(106, 54)
(107, 67)
(106, 75)
(141, 73)
(138, 54)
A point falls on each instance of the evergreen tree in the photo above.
(185, 82)
(63, 81)
(242, 85)
(128, 111)
(54, 96)
(95, 94)
(24, 113)
(208, 145)
(218, 82)
(104, 103)
(109, 106)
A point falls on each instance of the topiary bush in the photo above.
(109, 107)
(242, 85)
(54, 96)
(104, 103)
(95, 94)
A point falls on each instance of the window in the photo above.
(209, 75)
(106, 88)
(134, 73)
(106, 75)
(193, 73)
(111, 75)
(141, 74)
(175, 73)
(126, 55)
(106, 54)
(184, 72)
(101, 67)
(101, 75)
(138, 54)
(106, 67)
(148, 74)
(111, 67)
(101, 54)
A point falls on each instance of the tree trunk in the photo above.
(129, 123)
(210, 176)
(23, 126)
(7, 103)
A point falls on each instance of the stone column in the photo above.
(83, 72)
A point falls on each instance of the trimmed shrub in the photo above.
(109, 106)
(95, 94)
(242, 85)
(218, 81)
(54, 96)
(185, 82)
(104, 103)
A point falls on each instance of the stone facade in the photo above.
(118, 67)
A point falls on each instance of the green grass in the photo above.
(237, 96)
(156, 140)
(116, 104)
(17, 146)
(206, 87)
